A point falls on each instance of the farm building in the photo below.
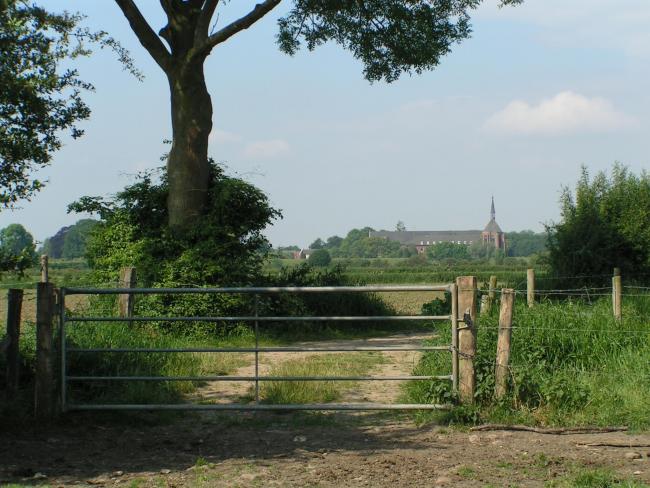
(490, 235)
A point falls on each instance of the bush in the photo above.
(320, 257)
(604, 225)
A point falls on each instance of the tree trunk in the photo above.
(188, 170)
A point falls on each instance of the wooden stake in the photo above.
(492, 292)
(617, 290)
(125, 301)
(531, 287)
(45, 274)
(44, 381)
(503, 343)
(467, 298)
(14, 307)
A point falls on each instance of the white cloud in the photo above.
(224, 137)
(566, 112)
(266, 149)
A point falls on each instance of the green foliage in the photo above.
(390, 37)
(17, 249)
(317, 244)
(69, 242)
(320, 257)
(438, 306)
(358, 244)
(222, 247)
(39, 97)
(604, 225)
(525, 243)
(571, 364)
(448, 250)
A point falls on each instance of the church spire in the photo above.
(492, 212)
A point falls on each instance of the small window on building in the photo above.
(428, 243)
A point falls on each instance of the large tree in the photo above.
(40, 94)
(390, 37)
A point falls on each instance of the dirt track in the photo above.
(328, 450)
(301, 450)
(396, 363)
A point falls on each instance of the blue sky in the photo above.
(512, 112)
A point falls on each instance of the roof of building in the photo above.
(492, 226)
(413, 237)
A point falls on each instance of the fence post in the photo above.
(531, 286)
(467, 294)
(485, 304)
(453, 289)
(492, 292)
(503, 343)
(14, 308)
(617, 290)
(125, 301)
(45, 269)
(44, 381)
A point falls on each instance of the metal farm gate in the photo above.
(67, 321)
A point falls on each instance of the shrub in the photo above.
(320, 257)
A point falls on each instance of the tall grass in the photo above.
(301, 392)
(571, 363)
(122, 335)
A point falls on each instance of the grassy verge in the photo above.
(300, 392)
(571, 364)
(595, 478)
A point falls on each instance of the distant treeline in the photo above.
(69, 242)
(358, 244)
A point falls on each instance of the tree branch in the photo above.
(203, 24)
(259, 11)
(147, 37)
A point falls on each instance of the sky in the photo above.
(513, 112)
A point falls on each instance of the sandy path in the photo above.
(396, 363)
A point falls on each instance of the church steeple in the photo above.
(492, 212)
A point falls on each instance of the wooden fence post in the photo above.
(530, 275)
(44, 381)
(45, 269)
(126, 300)
(467, 297)
(14, 308)
(485, 304)
(503, 343)
(492, 292)
(617, 297)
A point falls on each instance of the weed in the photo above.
(300, 392)
(595, 478)
(466, 472)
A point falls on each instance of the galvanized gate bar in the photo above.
(256, 319)
(270, 349)
(252, 318)
(266, 407)
(253, 290)
(257, 378)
